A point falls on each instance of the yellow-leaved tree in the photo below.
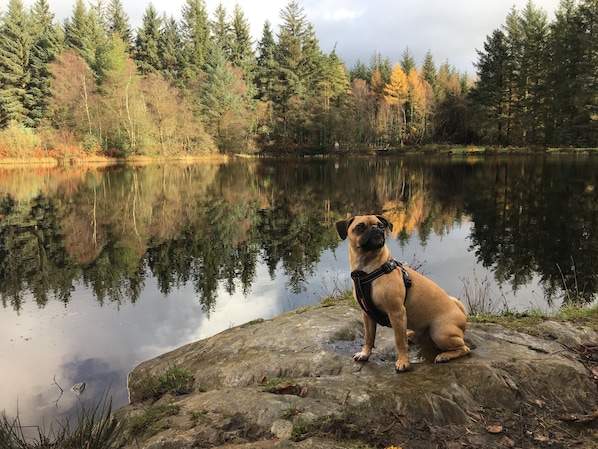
(396, 94)
(417, 106)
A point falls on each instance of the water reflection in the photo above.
(105, 268)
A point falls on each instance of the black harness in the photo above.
(363, 289)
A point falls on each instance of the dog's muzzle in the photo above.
(373, 239)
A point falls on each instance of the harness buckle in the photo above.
(389, 266)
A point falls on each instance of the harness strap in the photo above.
(363, 289)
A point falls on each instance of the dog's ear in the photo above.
(342, 227)
(387, 223)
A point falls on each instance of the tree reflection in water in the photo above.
(213, 224)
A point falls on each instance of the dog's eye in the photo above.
(359, 227)
(381, 225)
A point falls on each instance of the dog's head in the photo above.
(366, 232)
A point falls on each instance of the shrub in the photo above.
(18, 141)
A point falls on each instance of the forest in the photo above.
(199, 85)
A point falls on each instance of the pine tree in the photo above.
(221, 31)
(512, 76)
(147, 56)
(170, 50)
(118, 21)
(360, 71)
(221, 98)
(489, 94)
(99, 39)
(195, 31)
(266, 70)
(265, 79)
(382, 64)
(565, 50)
(450, 108)
(47, 43)
(407, 61)
(429, 72)
(15, 49)
(289, 52)
(300, 62)
(588, 80)
(241, 55)
(332, 88)
(532, 86)
(78, 33)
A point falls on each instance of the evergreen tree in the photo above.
(407, 61)
(78, 33)
(147, 56)
(383, 64)
(195, 31)
(47, 45)
(15, 49)
(100, 40)
(429, 72)
(488, 95)
(266, 70)
(289, 52)
(531, 113)
(565, 50)
(588, 80)
(221, 98)
(332, 88)
(450, 114)
(169, 49)
(299, 61)
(360, 71)
(221, 31)
(265, 80)
(118, 21)
(241, 55)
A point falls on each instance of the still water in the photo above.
(101, 269)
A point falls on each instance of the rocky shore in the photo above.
(290, 382)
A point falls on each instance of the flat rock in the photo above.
(332, 400)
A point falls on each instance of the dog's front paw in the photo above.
(401, 366)
(361, 356)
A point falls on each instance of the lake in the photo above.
(102, 268)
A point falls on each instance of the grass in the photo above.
(170, 382)
(586, 316)
(95, 429)
(150, 422)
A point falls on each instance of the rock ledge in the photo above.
(515, 390)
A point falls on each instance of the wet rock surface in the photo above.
(290, 382)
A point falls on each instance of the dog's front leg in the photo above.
(369, 325)
(398, 321)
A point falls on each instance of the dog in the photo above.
(400, 297)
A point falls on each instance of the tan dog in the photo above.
(423, 307)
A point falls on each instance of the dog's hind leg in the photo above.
(449, 339)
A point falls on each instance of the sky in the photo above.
(452, 30)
